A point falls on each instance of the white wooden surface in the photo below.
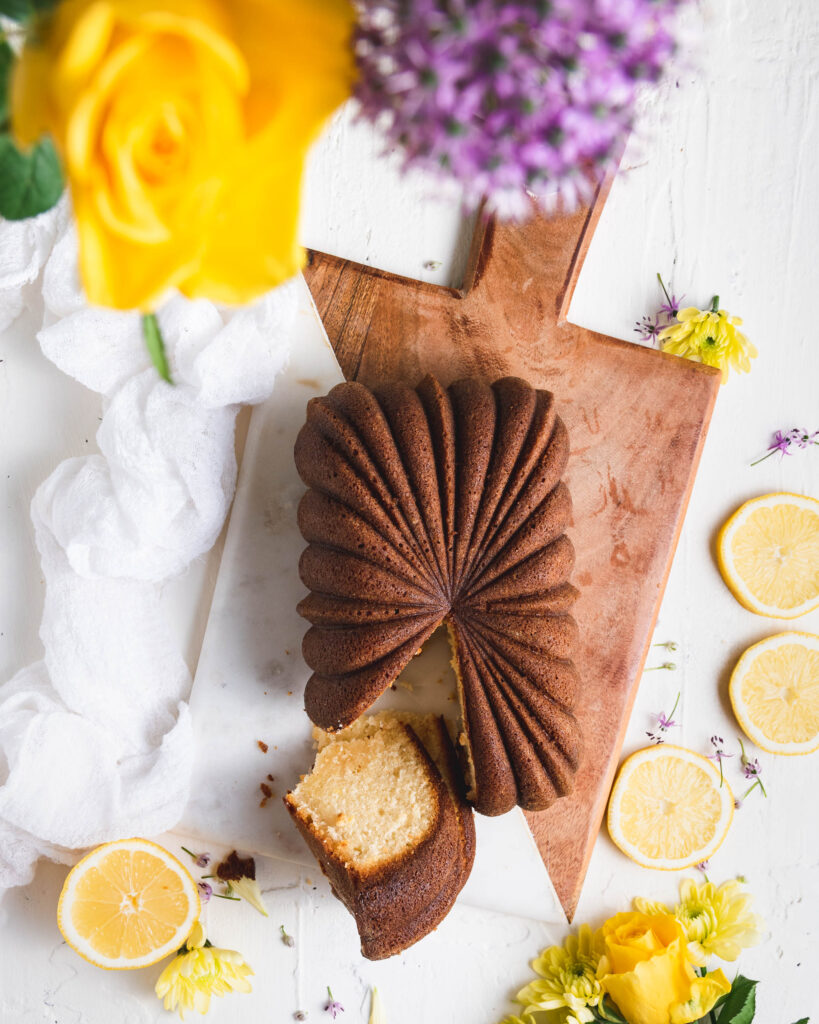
(719, 195)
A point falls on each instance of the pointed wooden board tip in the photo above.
(637, 419)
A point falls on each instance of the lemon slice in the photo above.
(775, 693)
(768, 554)
(127, 904)
(667, 808)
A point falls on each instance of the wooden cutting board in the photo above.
(637, 421)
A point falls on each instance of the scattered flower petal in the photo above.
(377, 1014)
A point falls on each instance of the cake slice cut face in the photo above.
(389, 827)
(430, 505)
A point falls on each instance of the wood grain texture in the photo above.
(637, 420)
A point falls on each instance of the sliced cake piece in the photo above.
(389, 827)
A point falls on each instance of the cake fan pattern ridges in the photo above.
(433, 504)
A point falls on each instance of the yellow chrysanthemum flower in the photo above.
(717, 920)
(201, 971)
(568, 977)
(709, 336)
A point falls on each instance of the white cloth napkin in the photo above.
(95, 740)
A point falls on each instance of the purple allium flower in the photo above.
(332, 1006)
(752, 769)
(703, 866)
(509, 98)
(648, 327)
(783, 440)
(718, 755)
(672, 305)
(205, 891)
(664, 723)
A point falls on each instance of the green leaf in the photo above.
(156, 346)
(31, 181)
(804, 1020)
(739, 1005)
(22, 10)
(6, 62)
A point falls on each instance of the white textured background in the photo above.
(719, 195)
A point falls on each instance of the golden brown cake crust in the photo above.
(428, 505)
(399, 902)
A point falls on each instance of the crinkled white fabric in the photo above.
(95, 740)
(24, 248)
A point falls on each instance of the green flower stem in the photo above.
(769, 454)
(751, 788)
(676, 702)
(219, 896)
(156, 346)
(667, 665)
(667, 296)
(715, 304)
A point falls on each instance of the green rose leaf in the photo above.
(31, 181)
(739, 1005)
(6, 61)
(22, 10)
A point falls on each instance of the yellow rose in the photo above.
(183, 126)
(646, 972)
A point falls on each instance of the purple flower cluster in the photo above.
(783, 441)
(509, 98)
(649, 327)
(663, 723)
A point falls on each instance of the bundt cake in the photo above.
(384, 814)
(428, 505)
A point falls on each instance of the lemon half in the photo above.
(667, 808)
(127, 904)
(768, 554)
(774, 691)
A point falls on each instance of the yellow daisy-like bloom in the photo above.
(709, 336)
(568, 977)
(202, 971)
(717, 920)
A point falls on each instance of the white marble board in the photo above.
(251, 675)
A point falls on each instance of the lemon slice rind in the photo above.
(80, 943)
(738, 703)
(621, 786)
(734, 581)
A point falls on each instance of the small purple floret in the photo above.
(672, 307)
(332, 1006)
(648, 327)
(205, 891)
(719, 753)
